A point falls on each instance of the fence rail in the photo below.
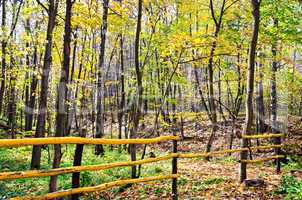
(264, 136)
(75, 169)
(216, 153)
(260, 160)
(6, 143)
(68, 170)
(97, 188)
(78, 140)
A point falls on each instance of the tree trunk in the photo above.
(77, 83)
(27, 111)
(77, 162)
(61, 115)
(11, 108)
(212, 105)
(52, 12)
(274, 105)
(32, 95)
(99, 150)
(138, 103)
(70, 111)
(260, 115)
(30, 89)
(122, 81)
(250, 85)
(3, 44)
(240, 89)
(292, 80)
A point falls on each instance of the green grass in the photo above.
(292, 165)
(291, 188)
(213, 180)
(203, 185)
(227, 160)
(19, 160)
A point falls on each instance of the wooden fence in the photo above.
(8, 143)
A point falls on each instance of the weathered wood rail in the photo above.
(8, 143)
(79, 140)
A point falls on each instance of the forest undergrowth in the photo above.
(200, 179)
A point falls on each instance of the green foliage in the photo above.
(182, 181)
(37, 186)
(214, 180)
(228, 160)
(203, 185)
(158, 191)
(292, 165)
(290, 187)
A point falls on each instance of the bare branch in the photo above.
(42, 5)
(213, 12)
(16, 20)
(226, 8)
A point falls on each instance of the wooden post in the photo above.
(277, 152)
(243, 156)
(75, 181)
(174, 171)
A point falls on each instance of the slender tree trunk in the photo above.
(11, 108)
(30, 88)
(138, 104)
(203, 100)
(121, 77)
(273, 94)
(212, 105)
(32, 95)
(61, 115)
(122, 81)
(240, 89)
(3, 44)
(70, 111)
(27, 111)
(99, 150)
(77, 162)
(260, 115)
(219, 96)
(291, 97)
(77, 82)
(52, 12)
(250, 86)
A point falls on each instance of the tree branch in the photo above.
(213, 12)
(226, 8)
(42, 5)
(13, 27)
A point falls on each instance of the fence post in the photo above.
(174, 171)
(277, 152)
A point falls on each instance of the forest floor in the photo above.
(199, 179)
(209, 180)
(217, 179)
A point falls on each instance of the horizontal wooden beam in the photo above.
(78, 140)
(265, 136)
(260, 160)
(101, 187)
(216, 153)
(68, 170)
